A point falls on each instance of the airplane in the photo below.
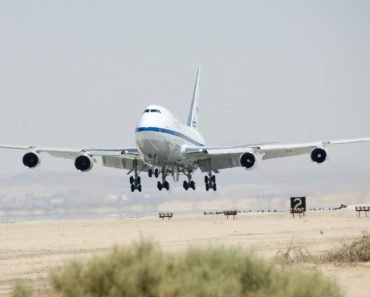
(166, 147)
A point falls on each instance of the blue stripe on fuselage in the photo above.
(167, 131)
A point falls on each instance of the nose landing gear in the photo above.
(155, 171)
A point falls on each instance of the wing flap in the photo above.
(124, 162)
(214, 158)
(118, 158)
(282, 153)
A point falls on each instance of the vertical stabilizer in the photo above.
(194, 110)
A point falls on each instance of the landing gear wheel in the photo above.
(207, 187)
(185, 185)
(214, 187)
(150, 172)
(206, 179)
(131, 180)
(159, 186)
(156, 173)
(132, 188)
(139, 188)
(213, 179)
(167, 185)
(138, 180)
(192, 185)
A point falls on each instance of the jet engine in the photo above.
(84, 163)
(247, 160)
(31, 159)
(318, 155)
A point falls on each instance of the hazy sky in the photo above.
(79, 73)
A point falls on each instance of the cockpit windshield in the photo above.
(152, 110)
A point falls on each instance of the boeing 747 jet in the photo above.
(166, 147)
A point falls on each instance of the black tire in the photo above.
(206, 179)
(132, 188)
(156, 172)
(150, 172)
(192, 185)
(159, 186)
(207, 187)
(213, 179)
(139, 188)
(167, 186)
(185, 185)
(214, 187)
(138, 180)
(131, 180)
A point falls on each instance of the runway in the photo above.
(29, 249)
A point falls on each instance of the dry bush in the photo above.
(144, 270)
(357, 250)
(294, 255)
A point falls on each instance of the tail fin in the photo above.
(194, 110)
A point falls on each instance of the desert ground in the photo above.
(28, 250)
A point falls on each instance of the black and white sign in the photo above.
(298, 202)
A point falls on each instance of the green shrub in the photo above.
(22, 289)
(145, 271)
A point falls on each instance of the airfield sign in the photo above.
(298, 203)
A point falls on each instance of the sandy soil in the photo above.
(29, 249)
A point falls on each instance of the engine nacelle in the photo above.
(31, 159)
(247, 160)
(84, 163)
(318, 155)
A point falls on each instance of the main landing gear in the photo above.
(164, 184)
(135, 182)
(210, 181)
(189, 183)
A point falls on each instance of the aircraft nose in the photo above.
(151, 119)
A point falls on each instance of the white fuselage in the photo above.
(161, 139)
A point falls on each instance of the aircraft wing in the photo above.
(122, 158)
(215, 158)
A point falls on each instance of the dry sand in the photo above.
(29, 249)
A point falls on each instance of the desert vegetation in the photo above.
(355, 251)
(144, 270)
(349, 252)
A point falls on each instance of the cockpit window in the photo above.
(152, 110)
